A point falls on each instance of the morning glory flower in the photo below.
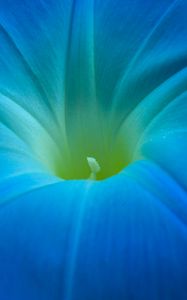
(93, 164)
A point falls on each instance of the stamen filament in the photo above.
(94, 167)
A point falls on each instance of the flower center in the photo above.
(92, 151)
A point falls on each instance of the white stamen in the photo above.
(94, 167)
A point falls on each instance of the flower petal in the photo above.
(121, 238)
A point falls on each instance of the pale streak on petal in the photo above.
(178, 81)
(155, 119)
(154, 103)
(81, 114)
(9, 107)
(78, 88)
(123, 82)
(29, 69)
(27, 111)
(75, 243)
(32, 188)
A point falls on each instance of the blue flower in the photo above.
(93, 164)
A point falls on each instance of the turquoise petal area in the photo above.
(70, 71)
(120, 238)
(146, 41)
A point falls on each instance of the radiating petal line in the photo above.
(87, 48)
(22, 174)
(26, 154)
(32, 115)
(29, 70)
(68, 46)
(165, 169)
(159, 89)
(77, 15)
(167, 207)
(35, 121)
(123, 82)
(18, 151)
(169, 175)
(80, 81)
(31, 189)
(165, 204)
(154, 119)
(11, 130)
(76, 238)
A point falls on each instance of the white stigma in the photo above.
(94, 167)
